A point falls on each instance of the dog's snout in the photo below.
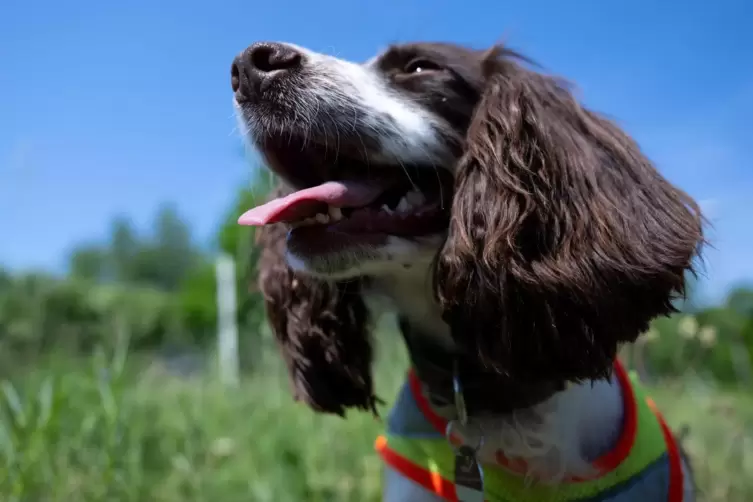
(260, 64)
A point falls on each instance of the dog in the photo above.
(521, 238)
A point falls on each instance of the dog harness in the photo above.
(645, 464)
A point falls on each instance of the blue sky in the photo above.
(114, 107)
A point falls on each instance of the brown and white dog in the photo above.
(514, 230)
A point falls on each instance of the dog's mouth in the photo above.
(401, 201)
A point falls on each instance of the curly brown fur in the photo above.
(322, 329)
(564, 240)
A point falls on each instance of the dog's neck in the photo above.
(559, 433)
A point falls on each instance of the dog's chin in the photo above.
(374, 256)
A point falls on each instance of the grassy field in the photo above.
(112, 430)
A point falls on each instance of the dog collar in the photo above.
(436, 368)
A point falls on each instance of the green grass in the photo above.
(103, 430)
(720, 435)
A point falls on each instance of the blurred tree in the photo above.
(197, 300)
(22, 311)
(740, 300)
(740, 303)
(728, 326)
(174, 247)
(164, 260)
(6, 280)
(123, 247)
(89, 261)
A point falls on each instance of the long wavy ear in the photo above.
(564, 240)
(322, 329)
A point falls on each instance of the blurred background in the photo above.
(122, 174)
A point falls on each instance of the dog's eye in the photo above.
(421, 65)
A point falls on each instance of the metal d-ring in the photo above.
(452, 425)
(462, 411)
(457, 389)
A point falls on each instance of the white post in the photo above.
(227, 334)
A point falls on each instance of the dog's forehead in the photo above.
(449, 53)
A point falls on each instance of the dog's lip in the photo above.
(366, 228)
(324, 239)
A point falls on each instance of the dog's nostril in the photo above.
(261, 64)
(261, 58)
(235, 77)
(271, 57)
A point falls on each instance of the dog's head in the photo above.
(550, 237)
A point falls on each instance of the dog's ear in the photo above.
(322, 329)
(564, 240)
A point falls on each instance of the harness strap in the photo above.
(676, 476)
(432, 480)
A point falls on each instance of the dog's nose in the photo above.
(256, 67)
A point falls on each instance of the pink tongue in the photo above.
(305, 203)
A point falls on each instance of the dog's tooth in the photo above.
(386, 209)
(415, 198)
(403, 205)
(308, 221)
(321, 218)
(335, 213)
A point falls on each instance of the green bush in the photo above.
(39, 314)
(716, 342)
